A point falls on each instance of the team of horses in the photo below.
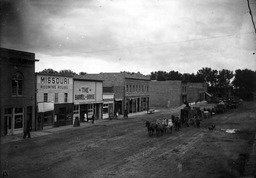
(161, 126)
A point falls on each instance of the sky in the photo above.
(143, 36)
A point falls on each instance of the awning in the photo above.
(208, 94)
(117, 99)
(46, 106)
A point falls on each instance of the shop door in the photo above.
(8, 125)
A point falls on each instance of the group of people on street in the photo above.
(125, 114)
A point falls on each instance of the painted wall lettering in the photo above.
(54, 80)
(85, 97)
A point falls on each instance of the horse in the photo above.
(159, 128)
(177, 123)
(168, 124)
(151, 128)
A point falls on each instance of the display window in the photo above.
(18, 118)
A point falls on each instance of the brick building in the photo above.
(17, 91)
(195, 91)
(165, 94)
(131, 90)
(54, 100)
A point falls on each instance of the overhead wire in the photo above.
(250, 12)
(166, 43)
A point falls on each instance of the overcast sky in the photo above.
(132, 35)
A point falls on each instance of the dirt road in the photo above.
(123, 149)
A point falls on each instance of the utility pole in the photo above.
(250, 12)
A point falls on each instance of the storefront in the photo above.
(108, 105)
(136, 94)
(14, 119)
(58, 90)
(88, 99)
(17, 88)
(137, 104)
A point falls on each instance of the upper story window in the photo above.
(65, 97)
(56, 97)
(45, 97)
(17, 84)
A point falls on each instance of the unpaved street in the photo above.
(122, 148)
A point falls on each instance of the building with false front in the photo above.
(17, 91)
(88, 98)
(108, 102)
(131, 90)
(54, 100)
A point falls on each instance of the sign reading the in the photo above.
(84, 91)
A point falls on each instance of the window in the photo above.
(8, 111)
(56, 97)
(17, 84)
(65, 97)
(18, 118)
(91, 110)
(76, 109)
(45, 97)
(105, 108)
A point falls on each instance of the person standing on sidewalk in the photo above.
(27, 130)
(126, 114)
(93, 119)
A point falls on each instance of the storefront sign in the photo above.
(54, 82)
(84, 91)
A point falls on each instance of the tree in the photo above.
(174, 75)
(49, 71)
(224, 77)
(159, 75)
(67, 72)
(245, 80)
(207, 75)
(82, 73)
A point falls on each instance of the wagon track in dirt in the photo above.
(122, 148)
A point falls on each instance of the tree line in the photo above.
(211, 77)
(242, 80)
